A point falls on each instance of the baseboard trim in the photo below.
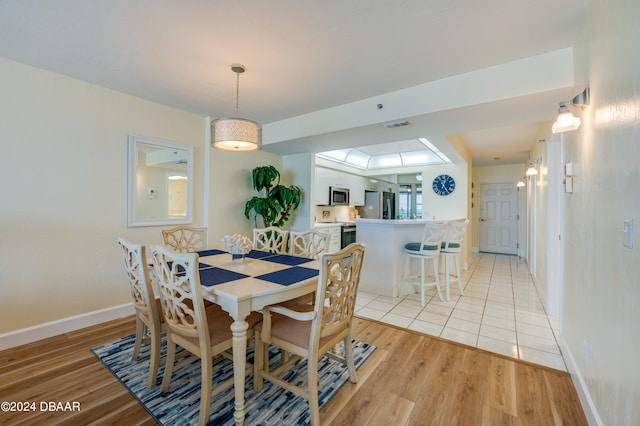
(588, 406)
(65, 325)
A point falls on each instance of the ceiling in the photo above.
(398, 154)
(300, 56)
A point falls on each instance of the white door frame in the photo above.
(532, 182)
(555, 228)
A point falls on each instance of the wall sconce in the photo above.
(532, 170)
(520, 183)
(566, 121)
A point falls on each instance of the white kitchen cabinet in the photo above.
(334, 231)
(326, 178)
(357, 187)
(321, 187)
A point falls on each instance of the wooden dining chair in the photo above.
(312, 331)
(149, 318)
(427, 249)
(205, 332)
(271, 239)
(309, 243)
(185, 239)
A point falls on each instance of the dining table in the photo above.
(242, 284)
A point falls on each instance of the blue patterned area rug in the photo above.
(180, 404)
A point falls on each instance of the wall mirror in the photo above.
(160, 183)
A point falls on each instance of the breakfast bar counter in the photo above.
(383, 267)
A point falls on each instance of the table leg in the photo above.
(239, 331)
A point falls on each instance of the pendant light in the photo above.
(236, 134)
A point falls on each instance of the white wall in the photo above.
(602, 278)
(230, 187)
(64, 167)
(297, 170)
(448, 207)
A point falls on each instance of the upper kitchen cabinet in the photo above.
(326, 178)
(356, 187)
(321, 187)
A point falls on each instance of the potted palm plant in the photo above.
(279, 201)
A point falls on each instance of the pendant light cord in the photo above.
(237, 91)
(238, 69)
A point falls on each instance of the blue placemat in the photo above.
(255, 254)
(181, 270)
(285, 259)
(210, 252)
(213, 276)
(289, 276)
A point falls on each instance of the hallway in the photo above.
(500, 312)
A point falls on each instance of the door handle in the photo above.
(482, 220)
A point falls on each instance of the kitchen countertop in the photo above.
(390, 222)
(327, 224)
(364, 221)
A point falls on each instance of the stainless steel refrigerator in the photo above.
(379, 205)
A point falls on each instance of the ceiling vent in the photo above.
(396, 123)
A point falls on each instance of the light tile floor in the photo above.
(500, 312)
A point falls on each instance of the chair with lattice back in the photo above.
(271, 239)
(149, 318)
(309, 243)
(205, 332)
(309, 331)
(425, 250)
(185, 239)
(450, 249)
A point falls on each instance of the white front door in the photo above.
(499, 218)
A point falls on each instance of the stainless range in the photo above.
(347, 234)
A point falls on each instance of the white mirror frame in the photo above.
(132, 183)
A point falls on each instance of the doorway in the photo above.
(498, 218)
(410, 201)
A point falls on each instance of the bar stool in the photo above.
(428, 249)
(451, 249)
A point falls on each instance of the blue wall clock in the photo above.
(443, 185)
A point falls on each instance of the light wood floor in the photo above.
(411, 379)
